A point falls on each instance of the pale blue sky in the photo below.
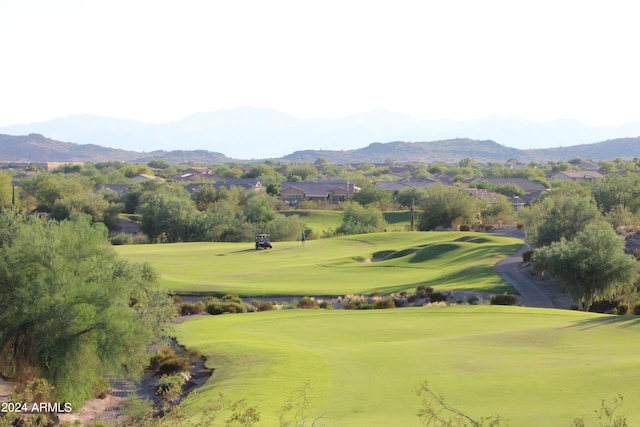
(157, 61)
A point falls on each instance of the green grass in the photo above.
(534, 367)
(319, 221)
(332, 267)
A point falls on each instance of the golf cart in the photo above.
(263, 242)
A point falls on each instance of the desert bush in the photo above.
(121, 239)
(170, 387)
(384, 303)
(137, 409)
(232, 298)
(193, 354)
(306, 302)
(326, 305)
(187, 308)
(527, 256)
(473, 300)
(167, 362)
(464, 227)
(218, 307)
(423, 291)
(263, 305)
(437, 297)
(199, 307)
(504, 299)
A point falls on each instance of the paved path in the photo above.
(535, 291)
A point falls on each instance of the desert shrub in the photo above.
(187, 308)
(306, 302)
(218, 307)
(232, 298)
(263, 305)
(121, 239)
(473, 300)
(527, 256)
(399, 301)
(167, 362)
(170, 387)
(636, 309)
(384, 303)
(465, 227)
(177, 299)
(504, 299)
(326, 305)
(519, 226)
(423, 291)
(137, 409)
(214, 307)
(353, 305)
(437, 297)
(173, 365)
(193, 354)
(199, 307)
(233, 307)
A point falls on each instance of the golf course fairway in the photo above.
(533, 367)
(361, 264)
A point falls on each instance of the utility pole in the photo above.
(412, 210)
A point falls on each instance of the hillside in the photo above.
(37, 148)
(259, 133)
(427, 152)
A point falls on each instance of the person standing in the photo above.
(303, 237)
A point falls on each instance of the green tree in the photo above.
(6, 190)
(591, 266)
(560, 214)
(72, 312)
(357, 219)
(170, 213)
(615, 190)
(371, 195)
(412, 196)
(444, 204)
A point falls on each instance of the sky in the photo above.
(159, 61)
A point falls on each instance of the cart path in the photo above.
(535, 291)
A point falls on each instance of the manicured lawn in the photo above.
(332, 267)
(534, 367)
(319, 221)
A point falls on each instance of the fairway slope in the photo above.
(332, 267)
(534, 367)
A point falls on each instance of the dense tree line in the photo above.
(572, 232)
(72, 312)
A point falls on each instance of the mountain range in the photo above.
(37, 148)
(259, 133)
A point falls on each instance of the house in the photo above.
(333, 191)
(146, 177)
(249, 184)
(399, 185)
(526, 185)
(577, 176)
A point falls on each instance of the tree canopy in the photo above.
(72, 312)
(442, 205)
(593, 265)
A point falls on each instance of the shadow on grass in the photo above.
(457, 281)
(609, 320)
